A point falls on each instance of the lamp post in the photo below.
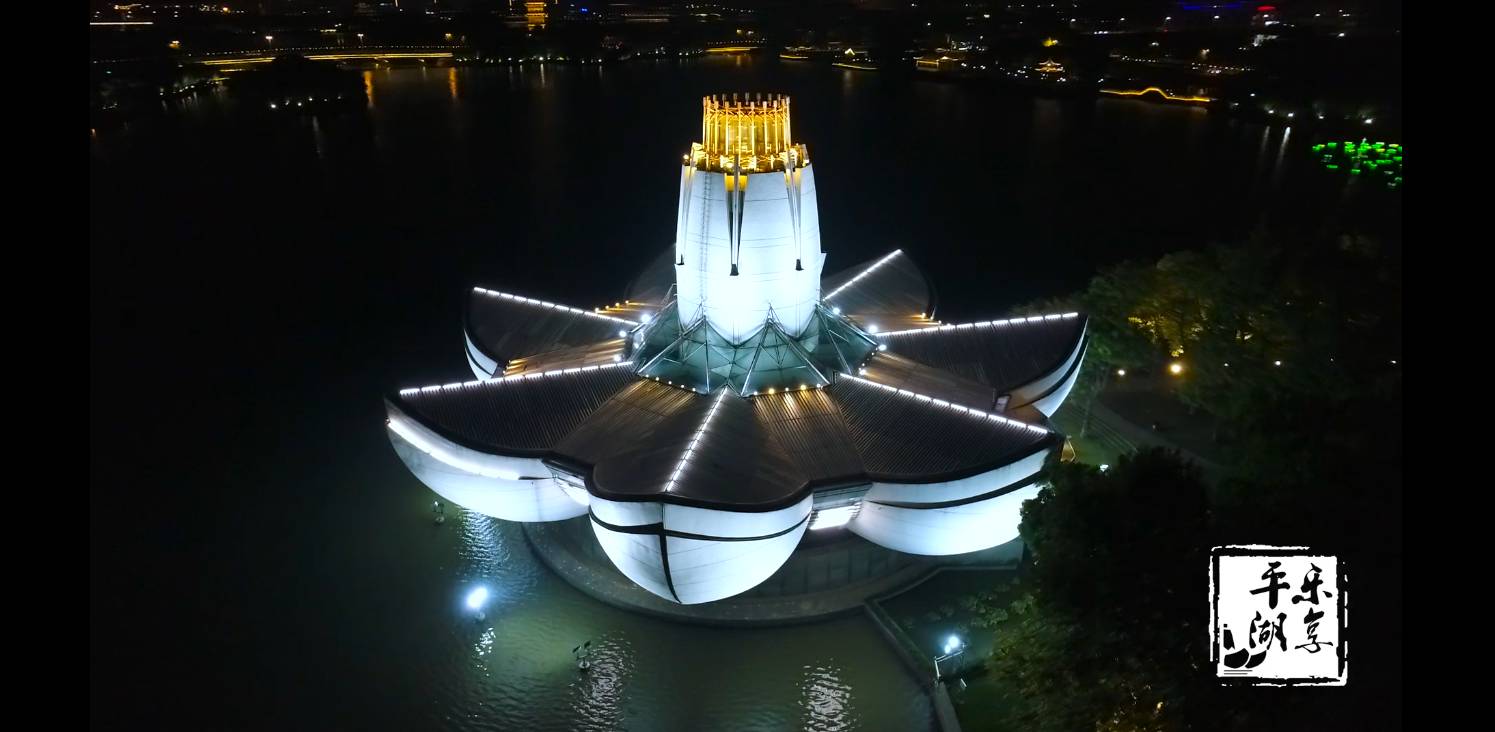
(954, 646)
(580, 654)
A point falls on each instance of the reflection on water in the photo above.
(484, 645)
(319, 138)
(517, 670)
(598, 693)
(827, 699)
(1278, 166)
(487, 551)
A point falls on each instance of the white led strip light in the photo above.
(435, 451)
(982, 324)
(516, 377)
(864, 273)
(555, 306)
(691, 448)
(956, 407)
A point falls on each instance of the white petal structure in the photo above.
(706, 422)
(694, 555)
(944, 530)
(734, 267)
(953, 517)
(748, 228)
(502, 487)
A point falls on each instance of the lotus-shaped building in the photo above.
(738, 398)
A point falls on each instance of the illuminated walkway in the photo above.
(1159, 93)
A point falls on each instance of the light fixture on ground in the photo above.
(954, 647)
(751, 399)
(477, 598)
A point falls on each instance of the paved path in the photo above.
(1116, 433)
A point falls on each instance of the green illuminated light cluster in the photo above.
(1364, 158)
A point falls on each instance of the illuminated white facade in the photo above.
(773, 246)
(707, 421)
(694, 555)
(747, 239)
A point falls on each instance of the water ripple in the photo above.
(826, 699)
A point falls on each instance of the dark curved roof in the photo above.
(765, 451)
(892, 293)
(506, 326)
(517, 416)
(635, 413)
(755, 453)
(917, 413)
(735, 461)
(1002, 354)
(808, 427)
(893, 368)
(903, 438)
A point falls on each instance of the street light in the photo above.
(270, 40)
(1175, 368)
(360, 39)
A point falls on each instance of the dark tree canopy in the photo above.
(1110, 631)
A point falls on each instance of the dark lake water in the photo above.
(260, 558)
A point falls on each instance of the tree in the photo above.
(1111, 629)
(1258, 328)
(1109, 633)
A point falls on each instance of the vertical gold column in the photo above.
(749, 132)
(788, 136)
(753, 133)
